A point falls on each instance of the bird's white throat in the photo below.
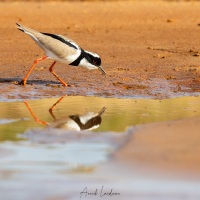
(86, 64)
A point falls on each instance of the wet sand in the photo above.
(168, 146)
(148, 48)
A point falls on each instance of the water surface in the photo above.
(119, 114)
(39, 148)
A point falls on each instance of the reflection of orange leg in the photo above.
(33, 115)
(51, 109)
(51, 70)
(23, 81)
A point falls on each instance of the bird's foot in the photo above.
(65, 84)
(22, 82)
(70, 85)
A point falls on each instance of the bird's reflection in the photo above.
(88, 121)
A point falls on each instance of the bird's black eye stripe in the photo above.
(60, 39)
(96, 61)
(92, 59)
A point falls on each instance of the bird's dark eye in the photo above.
(94, 62)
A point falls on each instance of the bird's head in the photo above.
(91, 61)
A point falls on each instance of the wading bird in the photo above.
(61, 49)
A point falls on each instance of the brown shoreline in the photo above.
(148, 48)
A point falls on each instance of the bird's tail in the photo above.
(19, 26)
(25, 29)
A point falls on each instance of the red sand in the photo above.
(148, 48)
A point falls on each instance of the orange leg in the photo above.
(51, 70)
(23, 81)
(33, 115)
(51, 109)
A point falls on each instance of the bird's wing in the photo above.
(57, 45)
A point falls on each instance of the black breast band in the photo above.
(78, 60)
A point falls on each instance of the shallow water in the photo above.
(41, 148)
(15, 117)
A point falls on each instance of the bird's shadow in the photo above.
(29, 82)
